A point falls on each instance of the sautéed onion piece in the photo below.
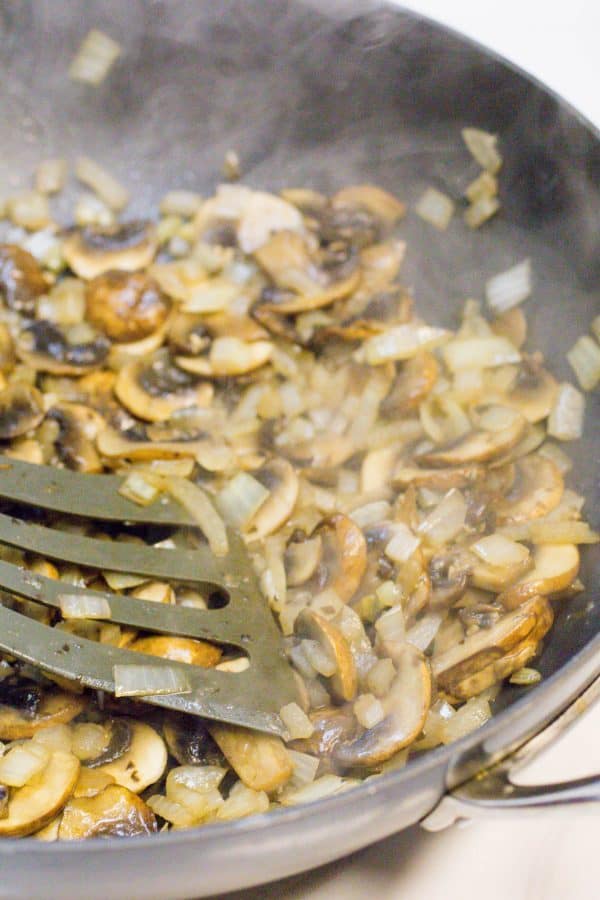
(255, 357)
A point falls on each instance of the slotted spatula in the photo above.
(251, 698)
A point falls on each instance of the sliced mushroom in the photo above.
(21, 409)
(228, 356)
(382, 205)
(280, 479)
(25, 710)
(143, 763)
(534, 392)
(301, 558)
(344, 681)
(22, 280)
(34, 805)
(344, 560)
(302, 284)
(45, 347)
(133, 445)
(153, 389)
(555, 567)
(260, 760)
(93, 250)
(332, 726)
(126, 306)
(7, 349)
(91, 783)
(190, 743)
(496, 578)
(79, 427)
(482, 444)
(537, 489)
(118, 742)
(449, 578)
(179, 649)
(489, 653)
(436, 479)
(405, 708)
(114, 812)
(324, 451)
(411, 385)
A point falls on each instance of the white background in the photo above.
(543, 858)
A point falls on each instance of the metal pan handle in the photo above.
(493, 793)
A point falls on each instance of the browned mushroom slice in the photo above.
(405, 708)
(153, 389)
(126, 306)
(382, 205)
(555, 567)
(289, 263)
(114, 812)
(301, 558)
(411, 385)
(260, 760)
(190, 743)
(280, 479)
(490, 652)
(344, 681)
(7, 349)
(25, 709)
(79, 427)
(144, 761)
(436, 479)
(344, 559)
(93, 250)
(484, 443)
(44, 346)
(22, 280)
(533, 393)
(537, 489)
(119, 734)
(136, 446)
(228, 356)
(21, 409)
(179, 649)
(33, 806)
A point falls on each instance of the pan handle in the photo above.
(493, 792)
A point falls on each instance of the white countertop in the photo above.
(517, 858)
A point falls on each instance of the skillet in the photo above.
(323, 94)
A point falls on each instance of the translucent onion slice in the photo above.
(498, 550)
(565, 422)
(149, 680)
(22, 763)
(138, 489)
(436, 208)
(446, 520)
(200, 508)
(479, 353)
(509, 288)
(296, 721)
(240, 500)
(102, 183)
(584, 357)
(84, 606)
(305, 769)
(401, 342)
(94, 58)
(482, 147)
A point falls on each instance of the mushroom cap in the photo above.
(33, 806)
(114, 812)
(153, 388)
(21, 409)
(93, 250)
(344, 681)
(45, 347)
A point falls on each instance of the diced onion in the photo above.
(565, 421)
(195, 778)
(368, 710)
(482, 147)
(102, 183)
(94, 58)
(435, 208)
(325, 786)
(242, 801)
(472, 715)
(402, 545)
(479, 353)
(234, 665)
(180, 203)
(481, 210)
(149, 681)
(562, 532)
(509, 288)
(370, 513)
(54, 737)
(64, 304)
(402, 342)
(296, 721)
(89, 740)
(91, 210)
(215, 295)
(390, 625)
(201, 510)
(29, 209)
(584, 357)
(139, 489)
(446, 520)
(423, 632)
(241, 499)
(305, 769)
(380, 677)
(173, 812)
(485, 185)
(22, 763)
(321, 661)
(525, 676)
(84, 606)
(497, 550)
(50, 176)
(121, 581)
